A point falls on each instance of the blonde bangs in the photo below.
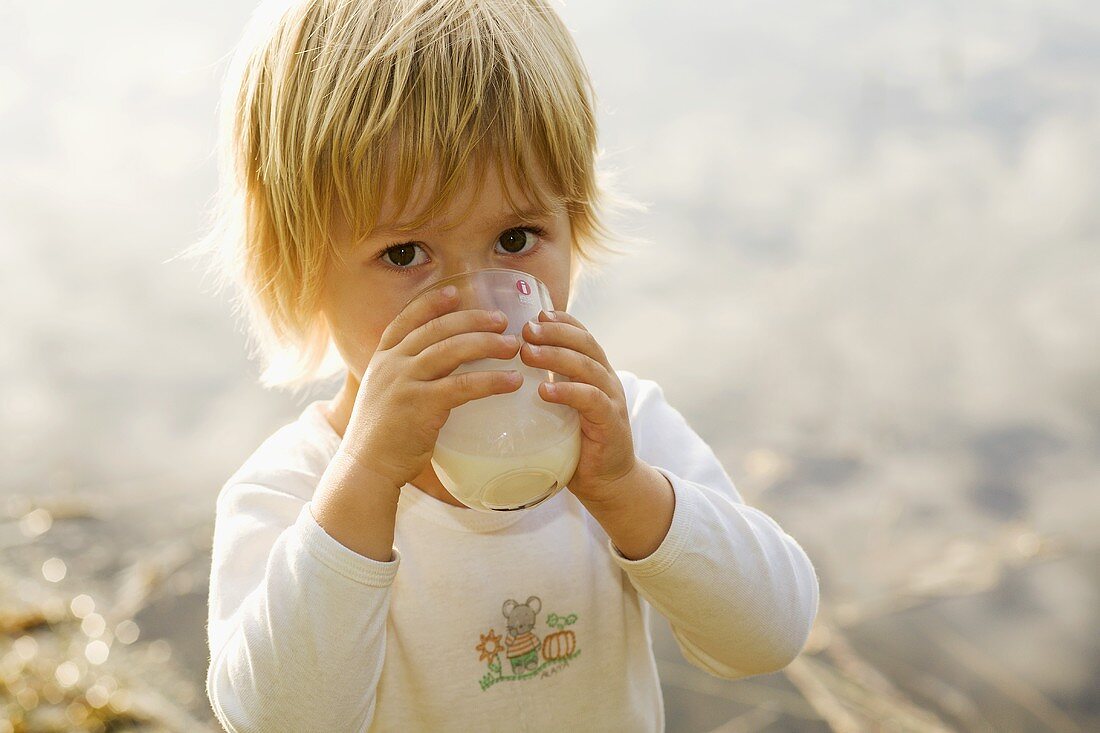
(339, 104)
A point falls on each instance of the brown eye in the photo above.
(401, 255)
(514, 240)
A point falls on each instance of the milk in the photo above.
(507, 451)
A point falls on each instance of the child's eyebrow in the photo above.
(529, 214)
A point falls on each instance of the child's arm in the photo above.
(740, 593)
(297, 626)
(299, 593)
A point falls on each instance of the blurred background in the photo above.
(872, 285)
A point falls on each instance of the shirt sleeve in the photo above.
(297, 621)
(739, 593)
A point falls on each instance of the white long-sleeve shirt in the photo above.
(521, 621)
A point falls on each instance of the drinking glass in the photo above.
(506, 451)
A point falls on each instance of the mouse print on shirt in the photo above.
(528, 656)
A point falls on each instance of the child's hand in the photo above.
(408, 390)
(607, 446)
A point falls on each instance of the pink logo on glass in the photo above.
(523, 287)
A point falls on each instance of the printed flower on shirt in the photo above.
(489, 647)
(522, 645)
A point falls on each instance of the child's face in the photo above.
(364, 293)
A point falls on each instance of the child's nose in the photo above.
(465, 261)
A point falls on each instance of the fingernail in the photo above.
(550, 315)
(536, 329)
(449, 291)
(550, 388)
(498, 317)
(534, 349)
(512, 340)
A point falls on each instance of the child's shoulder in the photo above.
(644, 401)
(293, 457)
(636, 388)
(630, 382)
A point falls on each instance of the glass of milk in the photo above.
(506, 451)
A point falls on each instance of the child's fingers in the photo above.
(576, 366)
(451, 324)
(560, 317)
(590, 401)
(570, 336)
(443, 357)
(458, 389)
(416, 313)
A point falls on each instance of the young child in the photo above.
(374, 147)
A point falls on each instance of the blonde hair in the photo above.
(324, 96)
